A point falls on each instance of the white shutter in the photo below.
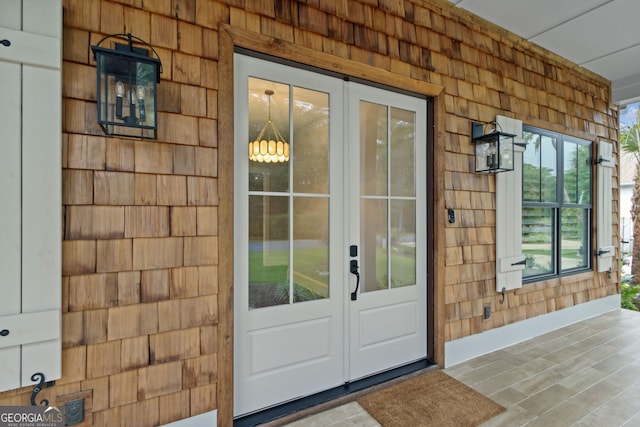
(30, 190)
(604, 235)
(509, 257)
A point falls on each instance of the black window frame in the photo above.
(559, 205)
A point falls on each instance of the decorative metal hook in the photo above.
(502, 293)
(38, 376)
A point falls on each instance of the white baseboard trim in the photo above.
(208, 419)
(460, 350)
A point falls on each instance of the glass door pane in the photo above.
(402, 132)
(311, 248)
(374, 256)
(403, 243)
(268, 251)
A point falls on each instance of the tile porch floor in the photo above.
(585, 374)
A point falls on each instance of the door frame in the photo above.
(231, 39)
(345, 339)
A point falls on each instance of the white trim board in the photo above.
(208, 419)
(460, 350)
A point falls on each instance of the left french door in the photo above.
(288, 299)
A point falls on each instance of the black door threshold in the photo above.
(294, 406)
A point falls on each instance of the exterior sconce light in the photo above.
(494, 150)
(270, 148)
(126, 88)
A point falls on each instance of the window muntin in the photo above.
(556, 208)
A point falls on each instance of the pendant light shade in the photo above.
(270, 146)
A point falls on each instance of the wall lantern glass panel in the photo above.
(493, 150)
(126, 88)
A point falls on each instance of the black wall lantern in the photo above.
(126, 81)
(494, 150)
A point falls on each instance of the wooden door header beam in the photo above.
(304, 55)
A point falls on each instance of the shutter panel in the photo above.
(509, 257)
(30, 188)
(604, 235)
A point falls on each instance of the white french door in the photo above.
(387, 217)
(332, 199)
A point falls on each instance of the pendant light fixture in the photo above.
(270, 148)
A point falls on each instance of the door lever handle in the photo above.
(353, 269)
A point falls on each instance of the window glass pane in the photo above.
(570, 194)
(539, 168)
(531, 168)
(537, 240)
(311, 139)
(584, 175)
(548, 169)
(374, 243)
(310, 248)
(402, 134)
(268, 251)
(373, 149)
(574, 238)
(403, 243)
(268, 176)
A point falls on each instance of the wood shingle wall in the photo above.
(147, 285)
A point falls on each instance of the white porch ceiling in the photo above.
(600, 35)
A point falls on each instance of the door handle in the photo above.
(353, 269)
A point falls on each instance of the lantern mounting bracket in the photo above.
(129, 46)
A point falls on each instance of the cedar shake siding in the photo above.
(148, 225)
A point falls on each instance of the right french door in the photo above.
(386, 211)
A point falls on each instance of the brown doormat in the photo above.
(431, 399)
